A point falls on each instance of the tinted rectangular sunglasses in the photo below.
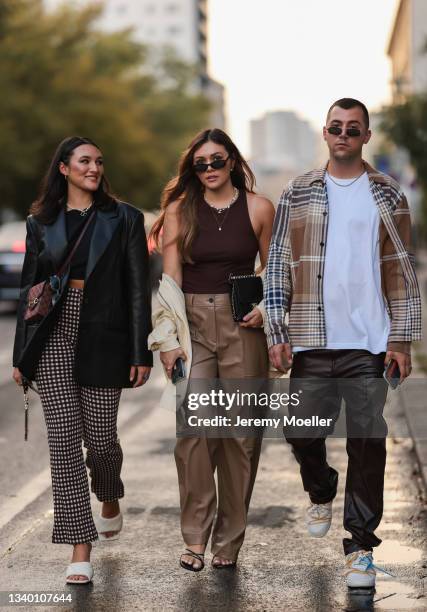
(335, 130)
(216, 164)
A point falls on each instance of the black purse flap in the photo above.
(249, 289)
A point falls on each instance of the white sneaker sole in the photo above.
(363, 581)
(318, 531)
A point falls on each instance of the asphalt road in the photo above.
(280, 567)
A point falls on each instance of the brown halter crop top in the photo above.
(216, 254)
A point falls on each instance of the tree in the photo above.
(60, 76)
(406, 125)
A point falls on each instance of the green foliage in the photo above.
(60, 76)
(406, 126)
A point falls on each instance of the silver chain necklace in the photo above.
(224, 208)
(347, 184)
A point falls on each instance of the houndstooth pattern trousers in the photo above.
(74, 414)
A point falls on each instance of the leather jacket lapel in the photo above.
(56, 239)
(106, 223)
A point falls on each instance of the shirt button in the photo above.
(322, 244)
(211, 300)
(319, 308)
(324, 213)
(319, 276)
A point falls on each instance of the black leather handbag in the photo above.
(246, 293)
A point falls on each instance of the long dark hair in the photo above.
(54, 187)
(187, 188)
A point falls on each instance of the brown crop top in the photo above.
(216, 254)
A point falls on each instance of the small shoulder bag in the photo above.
(43, 296)
(246, 293)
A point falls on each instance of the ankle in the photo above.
(81, 552)
(197, 548)
(110, 509)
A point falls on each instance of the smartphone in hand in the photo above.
(178, 371)
(392, 374)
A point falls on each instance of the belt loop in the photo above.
(189, 299)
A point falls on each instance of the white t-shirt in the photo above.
(355, 312)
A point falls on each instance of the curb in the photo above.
(416, 420)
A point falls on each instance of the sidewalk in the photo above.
(280, 567)
(415, 411)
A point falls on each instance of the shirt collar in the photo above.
(373, 174)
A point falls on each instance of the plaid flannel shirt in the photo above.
(296, 261)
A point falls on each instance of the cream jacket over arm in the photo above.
(170, 331)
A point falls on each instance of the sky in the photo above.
(298, 55)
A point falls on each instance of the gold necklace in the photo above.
(223, 219)
(83, 211)
(223, 210)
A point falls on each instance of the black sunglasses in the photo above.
(217, 164)
(337, 131)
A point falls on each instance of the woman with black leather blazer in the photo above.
(91, 344)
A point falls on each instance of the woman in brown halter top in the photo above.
(214, 224)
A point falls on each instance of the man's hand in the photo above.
(168, 359)
(403, 361)
(140, 374)
(281, 356)
(252, 319)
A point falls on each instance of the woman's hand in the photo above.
(252, 319)
(168, 359)
(17, 376)
(140, 374)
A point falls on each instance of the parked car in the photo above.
(156, 260)
(12, 251)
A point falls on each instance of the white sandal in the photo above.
(103, 525)
(81, 568)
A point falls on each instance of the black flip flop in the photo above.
(198, 556)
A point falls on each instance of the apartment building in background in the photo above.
(407, 49)
(178, 24)
(282, 146)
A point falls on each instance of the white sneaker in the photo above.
(318, 519)
(360, 569)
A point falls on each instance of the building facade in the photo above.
(178, 24)
(407, 49)
(280, 139)
(282, 146)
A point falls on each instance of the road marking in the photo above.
(24, 497)
(42, 482)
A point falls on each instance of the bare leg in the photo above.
(81, 552)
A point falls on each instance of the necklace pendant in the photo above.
(219, 229)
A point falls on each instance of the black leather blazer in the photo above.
(115, 317)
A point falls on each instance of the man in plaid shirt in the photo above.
(340, 267)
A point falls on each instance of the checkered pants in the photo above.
(74, 414)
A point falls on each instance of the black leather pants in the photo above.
(333, 375)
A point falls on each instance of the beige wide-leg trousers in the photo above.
(221, 349)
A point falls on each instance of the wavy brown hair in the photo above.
(54, 188)
(187, 188)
